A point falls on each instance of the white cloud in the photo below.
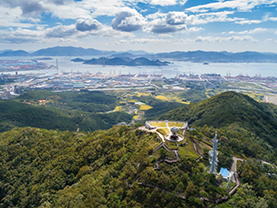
(20, 35)
(160, 26)
(254, 31)
(87, 25)
(178, 21)
(241, 5)
(167, 2)
(163, 2)
(183, 2)
(148, 40)
(128, 21)
(163, 35)
(269, 18)
(195, 29)
(156, 15)
(248, 22)
(210, 17)
(12, 17)
(225, 39)
(72, 10)
(61, 31)
(176, 18)
(274, 19)
(128, 17)
(181, 18)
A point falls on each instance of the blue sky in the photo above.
(150, 25)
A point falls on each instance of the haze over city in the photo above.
(150, 25)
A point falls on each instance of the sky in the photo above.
(149, 25)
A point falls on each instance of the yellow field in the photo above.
(135, 117)
(207, 94)
(132, 101)
(158, 124)
(161, 97)
(139, 94)
(171, 124)
(117, 108)
(145, 107)
(122, 102)
(255, 96)
(178, 100)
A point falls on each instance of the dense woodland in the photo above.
(88, 111)
(46, 168)
(63, 111)
(117, 167)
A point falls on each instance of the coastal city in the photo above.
(15, 83)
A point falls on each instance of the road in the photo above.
(234, 165)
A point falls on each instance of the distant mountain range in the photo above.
(15, 53)
(125, 61)
(70, 51)
(212, 56)
(192, 56)
(65, 51)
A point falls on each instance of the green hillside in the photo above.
(250, 126)
(46, 168)
(82, 101)
(118, 167)
(228, 108)
(15, 114)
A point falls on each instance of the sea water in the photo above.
(176, 67)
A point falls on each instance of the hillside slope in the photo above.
(228, 108)
(15, 114)
(42, 168)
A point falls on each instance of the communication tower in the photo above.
(213, 155)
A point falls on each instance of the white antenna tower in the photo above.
(213, 153)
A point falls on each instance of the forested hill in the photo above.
(119, 167)
(46, 168)
(15, 114)
(228, 108)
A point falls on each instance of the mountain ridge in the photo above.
(227, 108)
(192, 56)
(125, 61)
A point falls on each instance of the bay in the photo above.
(66, 65)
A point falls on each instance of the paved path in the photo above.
(167, 126)
(234, 165)
(160, 135)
